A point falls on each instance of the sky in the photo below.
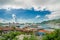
(29, 11)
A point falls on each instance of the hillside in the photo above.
(51, 21)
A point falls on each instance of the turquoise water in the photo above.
(45, 26)
(42, 26)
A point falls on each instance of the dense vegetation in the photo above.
(9, 36)
(53, 36)
(12, 35)
(32, 37)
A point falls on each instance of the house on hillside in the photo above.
(41, 32)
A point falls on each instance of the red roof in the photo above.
(9, 28)
(42, 31)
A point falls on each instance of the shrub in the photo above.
(53, 36)
(32, 37)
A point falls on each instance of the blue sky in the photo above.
(24, 14)
(29, 10)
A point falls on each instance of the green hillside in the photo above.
(51, 21)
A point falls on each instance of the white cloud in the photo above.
(24, 20)
(53, 5)
(53, 15)
(5, 21)
(38, 16)
(13, 15)
(19, 20)
(37, 4)
(1, 20)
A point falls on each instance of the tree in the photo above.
(53, 36)
(10, 36)
(1, 32)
